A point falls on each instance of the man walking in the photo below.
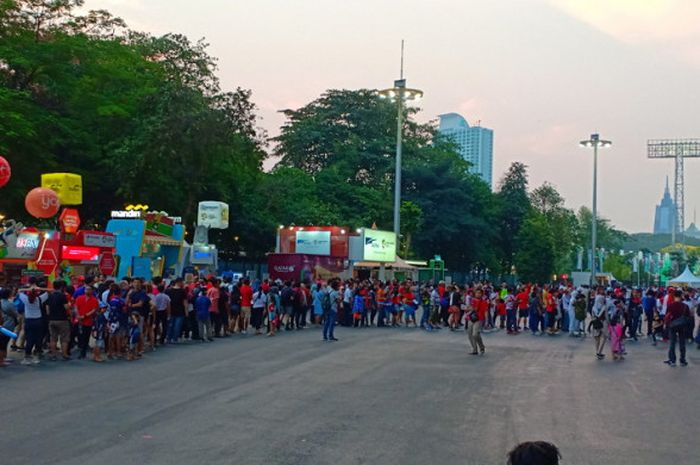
(329, 301)
(676, 320)
(476, 319)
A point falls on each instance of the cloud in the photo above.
(672, 24)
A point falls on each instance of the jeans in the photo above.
(634, 326)
(511, 319)
(574, 325)
(84, 339)
(676, 335)
(175, 328)
(162, 325)
(425, 316)
(204, 327)
(329, 325)
(34, 334)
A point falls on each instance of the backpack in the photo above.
(287, 296)
(326, 302)
(223, 299)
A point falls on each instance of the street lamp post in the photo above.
(595, 141)
(402, 94)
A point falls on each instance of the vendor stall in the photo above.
(149, 245)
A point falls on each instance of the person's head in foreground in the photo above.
(534, 453)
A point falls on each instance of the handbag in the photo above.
(679, 322)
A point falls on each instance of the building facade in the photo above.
(664, 220)
(475, 144)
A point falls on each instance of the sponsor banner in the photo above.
(99, 240)
(379, 246)
(298, 267)
(213, 215)
(313, 242)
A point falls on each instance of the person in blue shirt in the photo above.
(134, 335)
(99, 327)
(201, 307)
(649, 305)
(358, 308)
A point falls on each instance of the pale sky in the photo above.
(543, 74)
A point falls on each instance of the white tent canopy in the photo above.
(687, 278)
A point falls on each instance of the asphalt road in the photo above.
(379, 396)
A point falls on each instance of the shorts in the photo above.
(523, 313)
(235, 310)
(409, 310)
(289, 310)
(245, 312)
(271, 316)
(100, 343)
(59, 329)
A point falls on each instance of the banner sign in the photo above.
(379, 246)
(313, 242)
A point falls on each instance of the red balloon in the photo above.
(42, 203)
(5, 171)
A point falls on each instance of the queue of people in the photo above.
(122, 319)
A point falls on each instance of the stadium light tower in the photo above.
(401, 94)
(678, 149)
(595, 141)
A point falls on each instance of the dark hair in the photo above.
(59, 284)
(678, 293)
(4, 293)
(534, 453)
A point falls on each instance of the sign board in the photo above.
(313, 242)
(99, 240)
(69, 220)
(80, 254)
(213, 215)
(107, 264)
(68, 187)
(18, 242)
(126, 214)
(48, 258)
(379, 246)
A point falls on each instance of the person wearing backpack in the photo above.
(287, 300)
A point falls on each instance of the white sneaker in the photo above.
(26, 362)
(35, 361)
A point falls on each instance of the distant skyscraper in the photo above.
(665, 213)
(475, 144)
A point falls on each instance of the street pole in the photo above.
(594, 225)
(397, 175)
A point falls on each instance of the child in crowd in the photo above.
(501, 312)
(358, 308)
(99, 329)
(615, 330)
(134, 335)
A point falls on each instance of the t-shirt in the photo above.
(177, 300)
(246, 296)
(57, 306)
(85, 305)
(141, 296)
(161, 302)
(32, 310)
(334, 300)
(100, 325)
(117, 311)
(201, 306)
(213, 294)
(481, 307)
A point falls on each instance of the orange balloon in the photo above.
(42, 203)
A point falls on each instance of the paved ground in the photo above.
(376, 397)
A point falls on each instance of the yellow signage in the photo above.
(68, 186)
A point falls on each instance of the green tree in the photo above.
(535, 258)
(411, 223)
(561, 222)
(513, 207)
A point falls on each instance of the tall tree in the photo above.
(513, 207)
(534, 259)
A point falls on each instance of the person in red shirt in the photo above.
(86, 307)
(246, 304)
(523, 299)
(476, 317)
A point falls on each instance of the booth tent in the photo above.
(687, 278)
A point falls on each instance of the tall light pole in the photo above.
(401, 94)
(595, 141)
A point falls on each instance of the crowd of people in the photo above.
(107, 319)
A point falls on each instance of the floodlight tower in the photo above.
(679, 149)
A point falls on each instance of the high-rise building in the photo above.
(475, 144)
(665, 214)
